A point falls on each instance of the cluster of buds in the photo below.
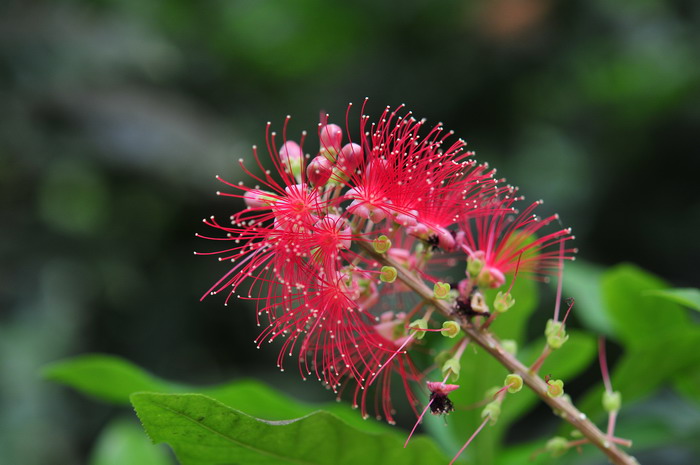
(328, 239)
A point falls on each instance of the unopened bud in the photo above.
(514, 383)
(388, 274)
(612, 401)
(450, 329)
(503, 302)
(350, 156)
(451, 367)
(555, 388)
(292, 157)
(556, 334)
(510, 346)
(492, 410)
(319, 171)
(382, 244)
(474, 266)
(441, 290)
(418, 326)
(557, 446)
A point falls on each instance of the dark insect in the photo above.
(434, 242)
(440, 404)
(463, 308)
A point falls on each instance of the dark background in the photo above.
(116, 115)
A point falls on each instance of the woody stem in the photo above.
(492, 345)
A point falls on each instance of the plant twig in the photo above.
(491, 344)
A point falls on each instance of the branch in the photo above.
(489, 343)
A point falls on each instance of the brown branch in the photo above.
(489, 343)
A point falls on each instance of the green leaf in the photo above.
(123, 442)
(203, 431)
(688, 297)
(639, 319)
(108, 378)
(583, 281)
(113, 379)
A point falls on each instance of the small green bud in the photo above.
(503, 302)
(382, 244)
(555, 388)
(441, 290)
(442, 357)
(492, 410)
(576, 434)
(612, 401)
(418, 326)
(510, 346)
(474, 266)
(451, 367)
(557, 446)
(389, 274)
(450, 329)
(556, 334)
(515, 383)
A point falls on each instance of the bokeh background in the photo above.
(116, 115)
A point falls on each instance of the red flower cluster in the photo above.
(297, 249)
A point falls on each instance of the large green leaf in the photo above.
(108, 378)
(123, 442)
(640, 319)
(582, 280)
(113, 379)
(688, 297)
(203, 431)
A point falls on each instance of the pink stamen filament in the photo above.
(560, 281)
(466, 444)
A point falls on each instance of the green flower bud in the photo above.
(492, 410)
(556, 334)
(418, 326)
(474, 266)
(503, 302)
(515, 382)
(441, 290)
(510, 346)
(382, 244)
(557, 446)
(612, 401)
(389, 274)
(555, 388)
(451, 367)
(450, 329)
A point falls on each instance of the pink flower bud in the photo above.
(319, 170)
(350, 156)
(291, 154)
(331, 137)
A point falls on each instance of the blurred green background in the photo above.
(117, 114)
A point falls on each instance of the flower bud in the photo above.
(555, 388)
(503, 302)
(330, 136)
(612, 401)
(556, 334)
(257, 198)
(510, 346)
(292, 157)
(557, 446)
(441, 290)
(514, 383)
(319, 171)
(418, 326)
(451, 367)
(388, 274)
(491, 277)
(474, 266)
(382, 244)
(350, 157)
(450, 329)
(492, 410)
